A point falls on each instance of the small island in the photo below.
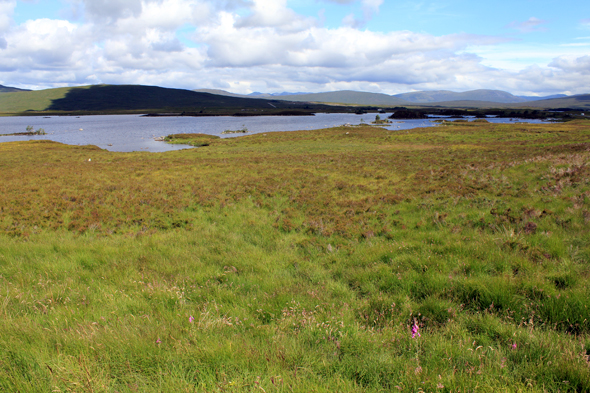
(30, 131)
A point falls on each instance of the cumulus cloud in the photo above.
(111, 10)
(44, 44)
(572, 65)
(254, 45)
(529, 26)
(274, 13)
(232, 46)
(6, 11)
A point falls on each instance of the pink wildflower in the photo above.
(415, 329)
(191, 319)
(158, 341)
(514, 345)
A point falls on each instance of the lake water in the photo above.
(125, 133)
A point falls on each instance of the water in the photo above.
(125, 133)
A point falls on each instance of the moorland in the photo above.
(139, 99)
(452, 259)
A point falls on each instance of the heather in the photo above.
(356, 259)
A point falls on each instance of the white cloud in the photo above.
(6, 12)
(572, 64)
(262, 45)
(275, 14)
(44, 44)
(111, 10)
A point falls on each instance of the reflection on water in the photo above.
(125, 133)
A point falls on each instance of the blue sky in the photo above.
(525, 47)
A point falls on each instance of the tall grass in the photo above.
(300, 262)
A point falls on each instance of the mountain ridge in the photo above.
(351, 97)
(9, 89)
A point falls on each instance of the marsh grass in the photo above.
(300, 262)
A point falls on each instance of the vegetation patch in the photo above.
(196, 140)
(346, 259)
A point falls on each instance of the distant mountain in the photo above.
(220, 93)
(273, 95)
(251, 95)
(7, 89)
(580, 102)
(473, 98)
(348, 97)
(534, 98)
(427, 97)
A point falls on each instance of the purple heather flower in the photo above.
(415, 329)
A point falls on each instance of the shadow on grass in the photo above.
(136, 97)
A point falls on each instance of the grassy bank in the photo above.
(300, 261)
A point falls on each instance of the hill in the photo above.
(484, 97)
(534, 98)
(138, 98)
(475, 98)
(580, 102)
(272, 95)
(251, 95)
(348, 97)
(37, 100)
(423, 97)
(8, 89)
(220, 93)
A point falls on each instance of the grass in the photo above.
(30, 100)
(197, 140)
(300, 261)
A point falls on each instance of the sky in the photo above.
(525, 47)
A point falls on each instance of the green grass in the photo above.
(197, 140)
(30, 100)
(304, 259)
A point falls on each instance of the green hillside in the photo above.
(137, 98)
(574, 102)
(121, 98)
(30, 100)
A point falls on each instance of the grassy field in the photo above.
(23, 101)
(353, 259)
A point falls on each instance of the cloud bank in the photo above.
(256, 45)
